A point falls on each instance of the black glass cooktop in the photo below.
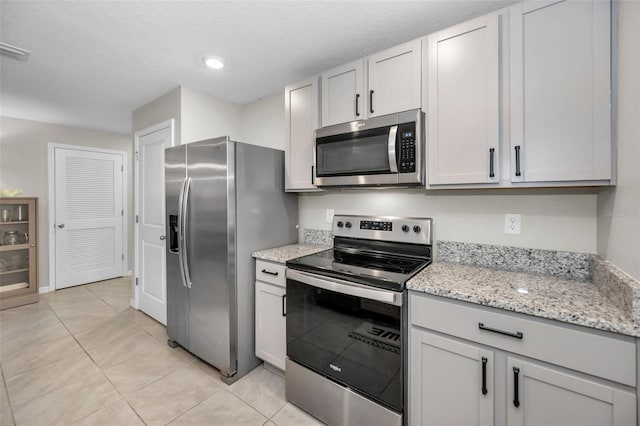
(383, 270)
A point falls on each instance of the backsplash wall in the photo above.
(551, 219)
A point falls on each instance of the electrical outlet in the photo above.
(329, 217)
(512, 224)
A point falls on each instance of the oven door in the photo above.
(347, 332)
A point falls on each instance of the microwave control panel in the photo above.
(407, 133)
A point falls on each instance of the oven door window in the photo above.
(359, 153)
(354, 341)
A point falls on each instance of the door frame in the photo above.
(52, 207)
(136, 196)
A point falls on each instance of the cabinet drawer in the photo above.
(612, 358)
(270, 272)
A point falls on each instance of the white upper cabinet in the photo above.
(560, 57)
(301, 120)
(463, 77)
(343, 94)
(395, 79)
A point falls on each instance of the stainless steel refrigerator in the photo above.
(224, 199)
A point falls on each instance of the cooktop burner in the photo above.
(379, 270)
(380, 251)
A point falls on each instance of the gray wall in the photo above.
(619, 207)
(24, 165)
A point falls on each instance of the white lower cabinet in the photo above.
(471, 365)
(451, 383)
(540, 396)
(271, 343)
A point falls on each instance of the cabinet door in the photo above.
(301, 120)
(463, 78)
(450, 383)
(270, 324)
(395, 79)
(560, 91)
(550, 397)
(343, 94)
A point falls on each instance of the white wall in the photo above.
(262, 122)
(619, 207)
(23, 165)
(550, 220)
(164, 108)
(205, 117)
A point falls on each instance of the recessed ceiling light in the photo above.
(214, 63)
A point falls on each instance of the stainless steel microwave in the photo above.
(381, 151)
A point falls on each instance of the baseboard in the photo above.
(133, 304)
(43, 290)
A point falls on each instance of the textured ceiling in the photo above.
(94, 62)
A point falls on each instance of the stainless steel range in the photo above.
(347, 320)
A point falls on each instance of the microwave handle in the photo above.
(393, 160)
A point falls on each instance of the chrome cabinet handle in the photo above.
(371, 101)
(162, 237)
(264, 271)
(61, 226)
(517, 148)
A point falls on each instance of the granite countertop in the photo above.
(571, 300)
(284, 253)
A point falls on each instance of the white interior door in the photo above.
(151, 268)
(89, 216)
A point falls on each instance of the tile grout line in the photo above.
(99, 369)
(6, 390)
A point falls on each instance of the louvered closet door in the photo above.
(88, 216)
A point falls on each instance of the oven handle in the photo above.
(391, 143)
(345, 287)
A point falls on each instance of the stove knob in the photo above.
(348, 224)
(340, 224)
(405, 228)
(416, 229)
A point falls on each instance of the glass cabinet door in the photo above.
(18, 250)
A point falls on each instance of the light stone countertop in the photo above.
(572, 301)
(284, 253)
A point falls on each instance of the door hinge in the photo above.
(137, 158)
(122, 212)
(136, 218)
(122, 168)
(136, 280)
(122, 256)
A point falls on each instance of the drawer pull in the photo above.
(516, 397)
(517, 334)
(264, 271)
(484, 375)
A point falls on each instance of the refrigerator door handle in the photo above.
(181, 245)
(185, 245)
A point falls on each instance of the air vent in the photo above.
(14, 52)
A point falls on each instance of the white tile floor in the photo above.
(82, 356)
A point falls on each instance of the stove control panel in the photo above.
(376, 225)
(416, 230)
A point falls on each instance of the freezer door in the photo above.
(210, 253)
(175, 172)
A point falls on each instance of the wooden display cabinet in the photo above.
(18, 251)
